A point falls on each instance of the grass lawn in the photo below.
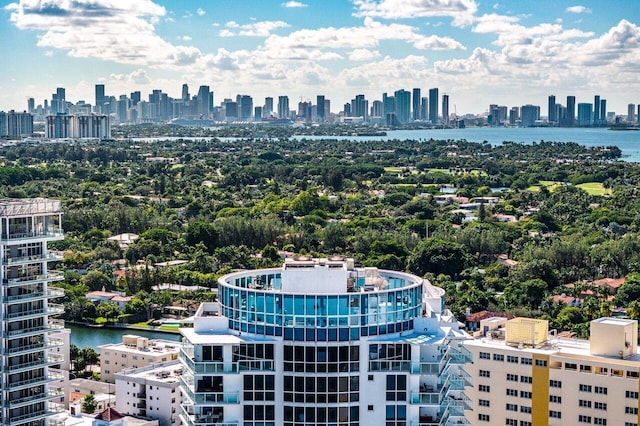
(594, 188)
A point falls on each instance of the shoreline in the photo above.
(120, 326)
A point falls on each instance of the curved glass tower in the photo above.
(321, 342)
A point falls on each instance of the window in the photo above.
(525, 409)
(525, 394)
(555, 384)
(498, 357)
(396, 387)
(485, 373)
(631, 394)
(512, 359)
(555, 399)
(371, 377)
(511, 407)
(541, 362)
(511, 422)
(599, 421)
(584, 403)
(600, 405)
(584, 419)
(525, 379)
(483, 402)
(631, 410)
(370, 407)
(525, 423)
(483, 417)
(512, 392)
(570, 366)
(601, 390)
(633, 374)
(525, 361)
(485, 355)
(484, 388)
(585, 388)
(630, 424)
(555, 414)
(512, 377)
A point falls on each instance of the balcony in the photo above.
(14, 386)
(429, 367)
(30, 365)
(208, 367)
(430, 396)
(51, 293)
(389, 366)
(33, 279)
(23, 234)
(31, 399)
(208, 396)
(52, 409)
(190, 418)
(26, 314)
(18, 260)
(460, 355)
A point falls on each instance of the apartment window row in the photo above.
(631, 410)
(484, 373)
(396, 387)
(512, 377)
(526, 379)
(483, 403)
(484, 388)
(259, 412)
(511, 422)
(585, 404)
(512, 359)
(525, 409)
(555, 384)
(555, 414)
(511, 407)
(600, 421)
(584, 419)
(526, 394)
(541, 362)
(586, 368)
(484, 417)
(555, 399)
(585, 388)
(600, 405)
(631, 394)
(600, 390)
(512, 392)
(321, 389)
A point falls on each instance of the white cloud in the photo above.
(255, 29)
(461, 11)
(184, 38)
(200, 12)
(292, 4)
(578, 9)
(361, 55)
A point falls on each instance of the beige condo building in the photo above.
(525, 376)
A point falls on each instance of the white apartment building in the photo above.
(134, 352)
(525, 376)
(152, 392)
(322, 342)
(28, 332)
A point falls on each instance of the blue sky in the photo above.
(505, 52)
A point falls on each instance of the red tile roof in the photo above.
(109, 415)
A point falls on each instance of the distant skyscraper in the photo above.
(327, 109)
(231, 111)
(347, 109)
(596, 109)
(585, 114)
(99, 97)
(185, 93)
(31, 105)
(424, 108)
(320, 109)
(416, 104)
(551, 110)
(631, 111)
(257, 113)
(203, 101)
(359, 107)
(603, 111)
(246, 107)
(445, 109)
(135, 97)
(268, 107)
(433, 105)
(571, 111)
(388, 104)
(529, 115)
(283, 106)
(377, 109)
(514, 115)
(403, 105)
(19, 124)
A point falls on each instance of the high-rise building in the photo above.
(135, 97)
(257, 113)
(585, 114)
(529, 114)
(603, 111)
(359, 107)
(203, 101)
(31, 106)
(403, 105)
(58, 126)
(246, 107)
(17, 124)
(100, 98)
(524, 375)
(433, 105)
(551, 110)
(631, 111)
(186, 97)
(320, 114)
(416, 105)
(27, 329)
(571, 111)
(231, 110)
(327, 109)
(268, 106)
(445, 109)
(514, 115)
(322, 342)
(424, 108)
(388, 104)
(347, 109)
(377, 109)
(283, 107)
(596, 109)
(497, 114)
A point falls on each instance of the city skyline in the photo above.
(476, 53)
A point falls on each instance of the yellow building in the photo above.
(525, 376)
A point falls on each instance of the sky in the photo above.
(506, 52)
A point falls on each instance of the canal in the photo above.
(94, 337)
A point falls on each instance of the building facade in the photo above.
(151, 392)
(321, 342)
(134, 352)
(28, 332)
(525, 376)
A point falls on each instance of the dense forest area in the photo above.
(501, 228)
